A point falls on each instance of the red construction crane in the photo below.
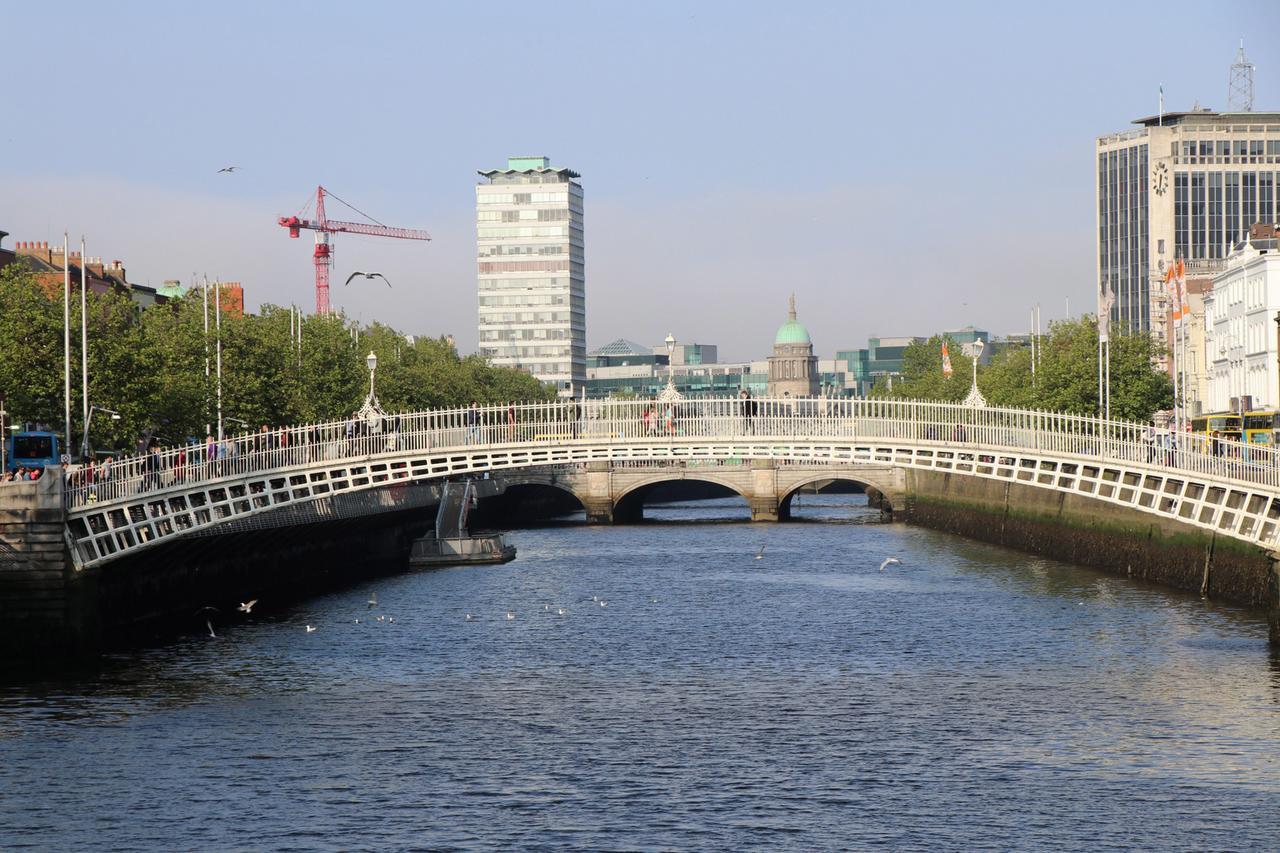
(324, 226)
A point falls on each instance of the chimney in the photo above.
(94, 265)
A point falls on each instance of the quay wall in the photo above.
(1093, 533)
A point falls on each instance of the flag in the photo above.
(946, 361)
(1106, 299)
(1182, 288)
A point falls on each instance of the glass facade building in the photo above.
(531, 278)
(1182, 185)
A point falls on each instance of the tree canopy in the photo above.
(1065, 378)
(149, 365)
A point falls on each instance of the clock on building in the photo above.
(1160, 178)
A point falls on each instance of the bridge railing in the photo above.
(835, 421)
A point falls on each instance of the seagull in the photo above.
(604, 603)
(470, 618)
(209, 625)
(510, 616)
(311, 629)
(382, 618)
(247, 606)
(366, 275)
(892, 561)
(208, 621)
(357, 621)
(391, 618)
(373, 600)
(546, 607)
(760, 553)
(226, 169)
(560, 612)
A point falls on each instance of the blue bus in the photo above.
(32, 450)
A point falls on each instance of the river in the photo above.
(970, 698)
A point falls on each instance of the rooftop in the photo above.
(1176, 118)
(622, 346)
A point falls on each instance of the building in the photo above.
(793, 368)
(7, 256)
(1179, 185)
(531, 271)
(880, 360)
(50, 269)
(1242, 321)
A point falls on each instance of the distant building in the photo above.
(793, 369)
(49, 267)
(531, 270)
(1240, 329)
(7, 256)
(171, 289)
(1180, 185)
(881, 360)
(232, 298)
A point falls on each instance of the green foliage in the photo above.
(150, 366)
(1065, 380)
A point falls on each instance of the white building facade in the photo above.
(1241, 316)
(531, 277)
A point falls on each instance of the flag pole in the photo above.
(84, 348)
(217, 299)
(204, 295)
(66, 340)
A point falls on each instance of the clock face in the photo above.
(1160, 178)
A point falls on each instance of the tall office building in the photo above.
(531, 282)
(1180, 185)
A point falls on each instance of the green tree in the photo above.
(922, 377)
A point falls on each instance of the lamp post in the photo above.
(975, 397)
(371, 412)
(4, 437)
(242, 423)
(84, 448)
(671, 351)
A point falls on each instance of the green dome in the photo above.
(792, 332)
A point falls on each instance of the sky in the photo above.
(901, 168)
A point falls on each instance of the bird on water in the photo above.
(311, 629)
(510, 616)
(892, 561)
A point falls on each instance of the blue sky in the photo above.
(902, 170)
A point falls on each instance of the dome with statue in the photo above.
(793, 368)
(792, 331)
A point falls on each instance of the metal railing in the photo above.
(759, 420)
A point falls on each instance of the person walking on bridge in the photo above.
(748, 412)
(473, 423)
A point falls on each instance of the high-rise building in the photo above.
(531, 281)
(1179, 185)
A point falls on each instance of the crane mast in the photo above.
(323, 226)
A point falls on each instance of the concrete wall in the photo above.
(1091, 533)
(44, 607)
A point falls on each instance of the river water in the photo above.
(970, 698)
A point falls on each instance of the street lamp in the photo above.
(975, 397)
(4, 436)
(242, 423)
(84, 448)
(371, 412)
(671, 351)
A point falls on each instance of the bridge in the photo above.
(605, 452)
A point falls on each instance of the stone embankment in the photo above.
(1101, 535)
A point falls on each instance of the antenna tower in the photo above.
(1240, 89)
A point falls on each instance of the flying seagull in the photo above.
(226, 169)
(373, 600)
(892, 561)
(366, 275)
(247, 606)
(760, 553)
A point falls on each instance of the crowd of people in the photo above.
(21, 475)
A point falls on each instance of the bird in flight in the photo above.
(247, 606)
(226, 169)
(892, 561)
(373, 600)
(366, 275)
(208, 620)
(760, 553)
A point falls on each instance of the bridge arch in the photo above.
(880, 494)
(628, 504)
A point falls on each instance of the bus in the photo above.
(1227, 425)
(1260, 427)
(31, 450)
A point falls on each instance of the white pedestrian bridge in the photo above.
(143, 501)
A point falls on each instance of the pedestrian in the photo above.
(473, 423)
(511, 420)
(1215, 446)
(748, 412)
(575, 411)
(1149, 439)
